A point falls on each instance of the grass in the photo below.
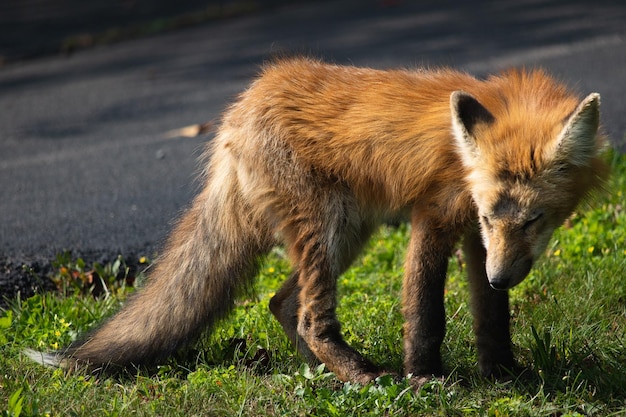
(569, 329)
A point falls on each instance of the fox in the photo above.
(315, 156)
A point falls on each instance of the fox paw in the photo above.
(418, 381)
(367, 377)
(502, 372)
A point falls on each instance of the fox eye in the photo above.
(534, 217)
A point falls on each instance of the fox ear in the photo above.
(467, 113)
(577, 141)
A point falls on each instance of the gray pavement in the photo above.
(84, 161)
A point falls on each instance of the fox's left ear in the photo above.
(467, 113)
(577, 141)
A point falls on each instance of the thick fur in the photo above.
(318, 155)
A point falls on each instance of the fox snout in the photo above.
(503, 276)
(513, 246)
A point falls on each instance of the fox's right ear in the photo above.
(467, 113)
(577, 141)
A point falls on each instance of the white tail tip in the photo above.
(47, 359)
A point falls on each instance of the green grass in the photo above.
(569, 328)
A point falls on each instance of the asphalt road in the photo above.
(84, 161)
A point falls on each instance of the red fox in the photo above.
(316, 156)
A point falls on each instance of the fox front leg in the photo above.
(422, 298)
(491, 313)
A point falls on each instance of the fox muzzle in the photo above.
(504, 278)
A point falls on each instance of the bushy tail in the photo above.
(211, 255)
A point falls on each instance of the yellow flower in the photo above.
(271, 270)
(143, 260)
(557, 252)
(591, 249)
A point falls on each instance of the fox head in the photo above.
(527, 166)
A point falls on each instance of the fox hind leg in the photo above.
(323, 236)
(317, 320)
(284, 306)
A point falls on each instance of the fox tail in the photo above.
(210, 257)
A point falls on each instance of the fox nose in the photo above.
(500, 283)
(508, 277)
(499, 279)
